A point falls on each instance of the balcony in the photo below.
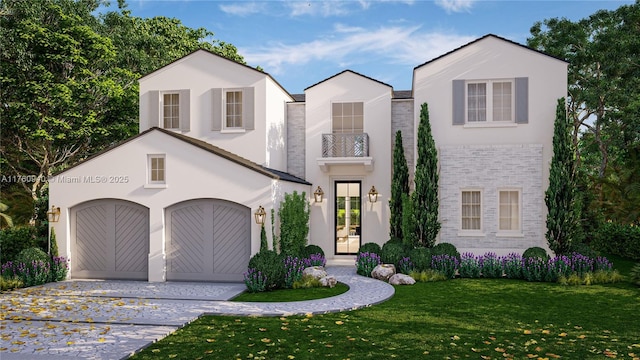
(345, 149)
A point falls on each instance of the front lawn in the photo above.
(463, 318)
(283, 295)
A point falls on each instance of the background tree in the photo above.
(425, 196)
(603, 102)
(563, 218)
(399, 187)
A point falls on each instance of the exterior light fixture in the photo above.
(260, 215)
(53, 215)
(318, 194)
(373, 194)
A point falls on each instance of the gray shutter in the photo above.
(154, 109)
(185, 110)
(248, 112)
(522, 100)
(458, 102)
(216, 100)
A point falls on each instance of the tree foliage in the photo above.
(563, 218)
(294, 223)
(603, 101)
(399, 187)
(425, 196)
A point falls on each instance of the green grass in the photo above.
(285, 295)
(461, 318)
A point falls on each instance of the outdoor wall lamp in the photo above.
(260, 215)
(318, 194)
(53, 215)
(373, 194)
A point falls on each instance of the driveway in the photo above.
(114, 319)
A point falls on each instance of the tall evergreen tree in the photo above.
(399, 187)
(563, 218)
(425, 197)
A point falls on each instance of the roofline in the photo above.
(345, 71)
(199, 144)
(222, 57)
(482, 38)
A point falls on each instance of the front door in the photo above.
(348, 217)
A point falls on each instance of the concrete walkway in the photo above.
(113, 319)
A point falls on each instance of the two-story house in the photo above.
(220, 141)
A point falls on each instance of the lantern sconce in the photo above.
(53, 215)
(373, 194)
(260, 215)
(318, 194)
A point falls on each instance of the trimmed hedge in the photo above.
(536, 252)
(392, 253)
(445, 249)
(269, 264)
(618, 239)
(370, 247)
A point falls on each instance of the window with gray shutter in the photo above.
(458, 102)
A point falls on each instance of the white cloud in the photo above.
(243, 8)
(395, 45)
(318, 8)
(455, 5)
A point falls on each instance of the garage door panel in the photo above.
(186, 253)
(230, 248)
(131, 239)
(91, 239)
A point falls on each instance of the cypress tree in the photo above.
(264, 245)
(399, 187)
(425, 197)
(563, 217)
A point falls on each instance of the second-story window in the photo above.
(233, 111)
(489, 101)
(171, 110)
(347, 118)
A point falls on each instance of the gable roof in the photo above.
(221, 57)
(483, 38)
(347, 71)
(271, 173)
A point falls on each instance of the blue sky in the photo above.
(303, 42)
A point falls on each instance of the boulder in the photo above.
(315, 271)
(329, 281)
(401, 279)
(383, 271)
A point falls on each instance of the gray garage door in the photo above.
(110, 240)
(208, 240)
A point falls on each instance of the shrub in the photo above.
(634, 276)
(618, 239)
(591, 278)
(469, 266)
(269, 264)
(512, 265)
(371, 247)
(293, 268)
(392, 253)
(316, 260)
(445, 249)
(10, 283)
(535, 252)
(15, 239)
(59, 268)
(366, 262)
(421, 258)
(306, 282)
(427, 276)
(31, 273)
(584, 249)
(255, 280)
(491, 266)
(534, 268)
(405, 266)
(30, 254)
(445, 264)
(264, 244)
(294, 223)
(312, 249)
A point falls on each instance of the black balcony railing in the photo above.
(345, 145)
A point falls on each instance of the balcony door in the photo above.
(348, 217)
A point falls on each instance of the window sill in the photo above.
(491, 124)
(233, 131)
(155, 186)
(509, 234)
(471, 234)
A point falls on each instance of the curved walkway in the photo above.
(113, 319)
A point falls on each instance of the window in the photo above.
(347, 118)
(490, 101)
(471, 210)
(157, 169)
(233, 114)
(171, 110)
(509, 211)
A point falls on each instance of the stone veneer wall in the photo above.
(490, 168)
(402, 119)
(296, 139)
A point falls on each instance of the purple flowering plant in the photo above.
(366, 262)
(255, 280)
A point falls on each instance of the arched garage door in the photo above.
(110, 240)
(208, 240)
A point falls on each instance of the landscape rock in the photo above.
(401, 279)
(329, 281)
(383, 272)
(317, 272)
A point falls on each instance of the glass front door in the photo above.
(348, 217)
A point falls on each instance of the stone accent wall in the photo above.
(402, 119)
(296, 139)
(490, 169)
